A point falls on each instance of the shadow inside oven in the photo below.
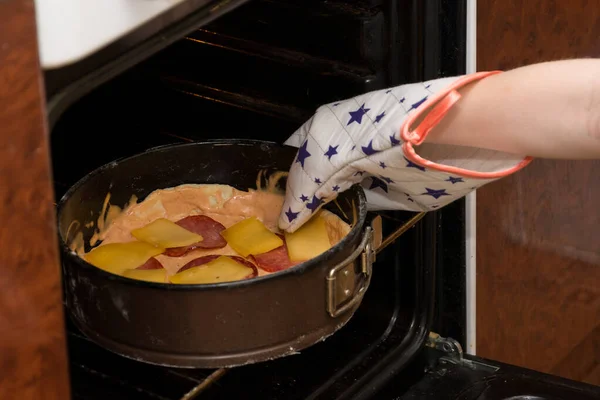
(140, 110)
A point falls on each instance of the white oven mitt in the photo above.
(367, 140)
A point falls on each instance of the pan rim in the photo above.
(299, 269)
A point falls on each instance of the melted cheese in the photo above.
(251, 236)
(165, 233)
(149, 275)
(118, 257)
(222, 269)
(310, 240)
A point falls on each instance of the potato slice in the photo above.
(250, 236)
(148, 275)
(118, 257)
(222, 269)
(310, 240)
(166, 234)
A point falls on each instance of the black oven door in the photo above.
(451, 375)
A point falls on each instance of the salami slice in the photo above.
(196, 262)
(152, 263)
(206, 259)
(274, 260)
(208, 228)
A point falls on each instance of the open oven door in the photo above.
(451, 375)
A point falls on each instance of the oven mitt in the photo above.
(377, 140)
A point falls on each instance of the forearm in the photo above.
(549, 110)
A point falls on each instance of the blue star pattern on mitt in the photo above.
(358, 141)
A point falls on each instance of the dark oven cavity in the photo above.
(258, 73)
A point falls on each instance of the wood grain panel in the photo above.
(32, 341)
(538, 247)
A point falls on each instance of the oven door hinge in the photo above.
(453, 349)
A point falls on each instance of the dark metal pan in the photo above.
(216, 325)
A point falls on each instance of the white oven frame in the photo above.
(471, 202)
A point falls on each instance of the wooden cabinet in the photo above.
(538, 232)
(33, 356)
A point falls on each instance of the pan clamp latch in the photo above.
(347, 282)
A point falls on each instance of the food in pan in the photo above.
(203, 234)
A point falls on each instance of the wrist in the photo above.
(549, 110)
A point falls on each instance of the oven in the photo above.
(258, 70)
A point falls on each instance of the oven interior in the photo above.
(143, 108)
(259, 72)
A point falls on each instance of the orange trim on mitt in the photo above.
(442, 102)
